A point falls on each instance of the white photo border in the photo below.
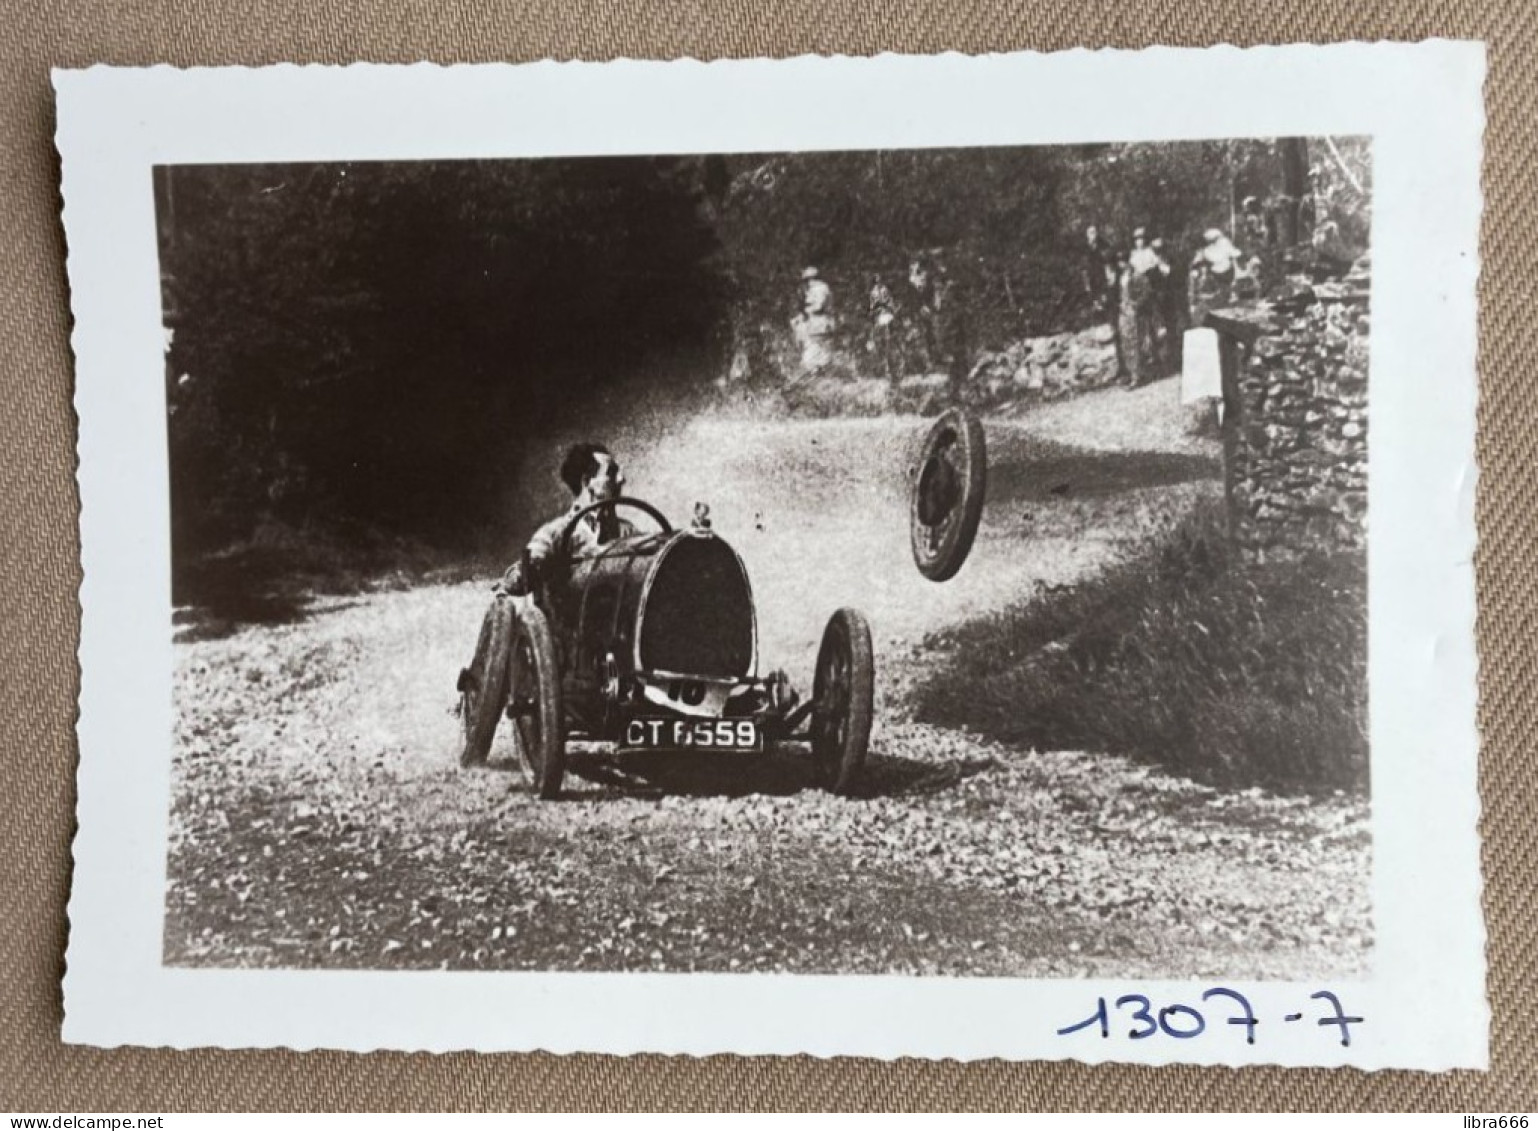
(1424, 1005)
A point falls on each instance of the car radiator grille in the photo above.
(698, 617)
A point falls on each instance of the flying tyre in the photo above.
(843, 691)
(946, 500)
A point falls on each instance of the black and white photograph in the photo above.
(606, 558)
(890, 562)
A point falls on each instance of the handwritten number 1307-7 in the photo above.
(1184, 1022)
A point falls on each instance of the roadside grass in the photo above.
(1236, 676)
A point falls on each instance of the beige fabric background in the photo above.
(39, 571)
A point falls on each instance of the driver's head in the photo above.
(590, 471)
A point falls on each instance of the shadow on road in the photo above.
(783, 771)
(229, 612)
(1056, 471)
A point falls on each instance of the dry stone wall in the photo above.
(1295, 434)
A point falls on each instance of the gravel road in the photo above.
(319, 818)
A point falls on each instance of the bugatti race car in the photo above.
(650, 641)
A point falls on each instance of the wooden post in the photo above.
(1238, 329)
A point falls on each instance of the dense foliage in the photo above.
(359, 350)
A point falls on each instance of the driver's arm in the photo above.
(541, 549)
(542, 545)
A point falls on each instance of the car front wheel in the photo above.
(535, 702)
(483, 685)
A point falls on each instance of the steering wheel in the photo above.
(562, 551)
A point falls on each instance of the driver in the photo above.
(592, 475)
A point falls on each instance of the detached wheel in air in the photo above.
(843, 691)
(483, 685)
(946, 500)
(534, 701)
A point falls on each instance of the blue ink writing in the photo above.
(1247, 1018)
(1183, 1022)
(1340, 1017)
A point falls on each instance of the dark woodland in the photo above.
(358, 351)
(1128, 740)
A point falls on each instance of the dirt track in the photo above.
(319, 817)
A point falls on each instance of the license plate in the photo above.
(694, 734)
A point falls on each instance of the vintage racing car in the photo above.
(651, 642)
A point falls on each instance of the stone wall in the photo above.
(1295, 428)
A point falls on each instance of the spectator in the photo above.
(1213, 273)
(812, 325)
(951, 330)
(816, 295)
(882, 342)
(923, 314)
(1256, 232)
(1168, 303)
(1102, 287)
(1145, 272)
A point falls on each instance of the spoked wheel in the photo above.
(483, 685)
(843, 691)
(946, 503)
(534, 702)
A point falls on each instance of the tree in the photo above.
(360, 348)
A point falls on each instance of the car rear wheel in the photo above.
(843, 692)
(483, 685)
(535, 702)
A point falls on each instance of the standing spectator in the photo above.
(1099, 267)
(1169, 298)
(816, 295)
(882, 342)
(1102, 286)
(1149, 276)
(1145, 271)
(923, 317)
(1131, 358)
(1145, 258)
(1256, 230)
(1213, 272)
(812, 325)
